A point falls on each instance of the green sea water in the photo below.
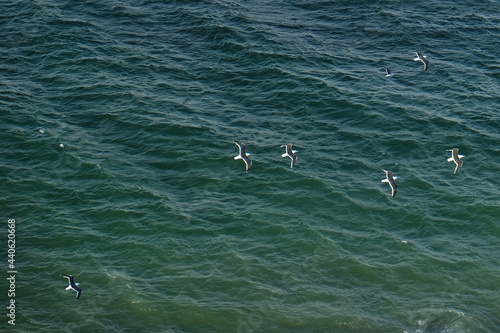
(117, 122)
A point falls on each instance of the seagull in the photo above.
(421, 57)
(455, 157)
(73, 285)
(243, 155)
(290, 153)
(388, 71)
(392, 181)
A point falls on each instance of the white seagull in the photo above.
(388, 71)
(392, 181)
(290, 153)
(421, 57)
(455, 157)
(243, 155)
(73, 285)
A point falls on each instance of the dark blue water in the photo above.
(117, 163)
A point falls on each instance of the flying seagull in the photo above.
(243, 155)
(392, 181)
(455, 157)
(422, 58)
(290, 153)
(73, 285)
(388, 71)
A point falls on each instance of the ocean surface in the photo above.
(117, 122)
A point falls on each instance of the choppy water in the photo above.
(144, 204)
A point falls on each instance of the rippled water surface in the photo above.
(117, 163)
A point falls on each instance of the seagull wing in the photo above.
(394, 188)
(78, 292)
(69, 277)
(240, 145)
